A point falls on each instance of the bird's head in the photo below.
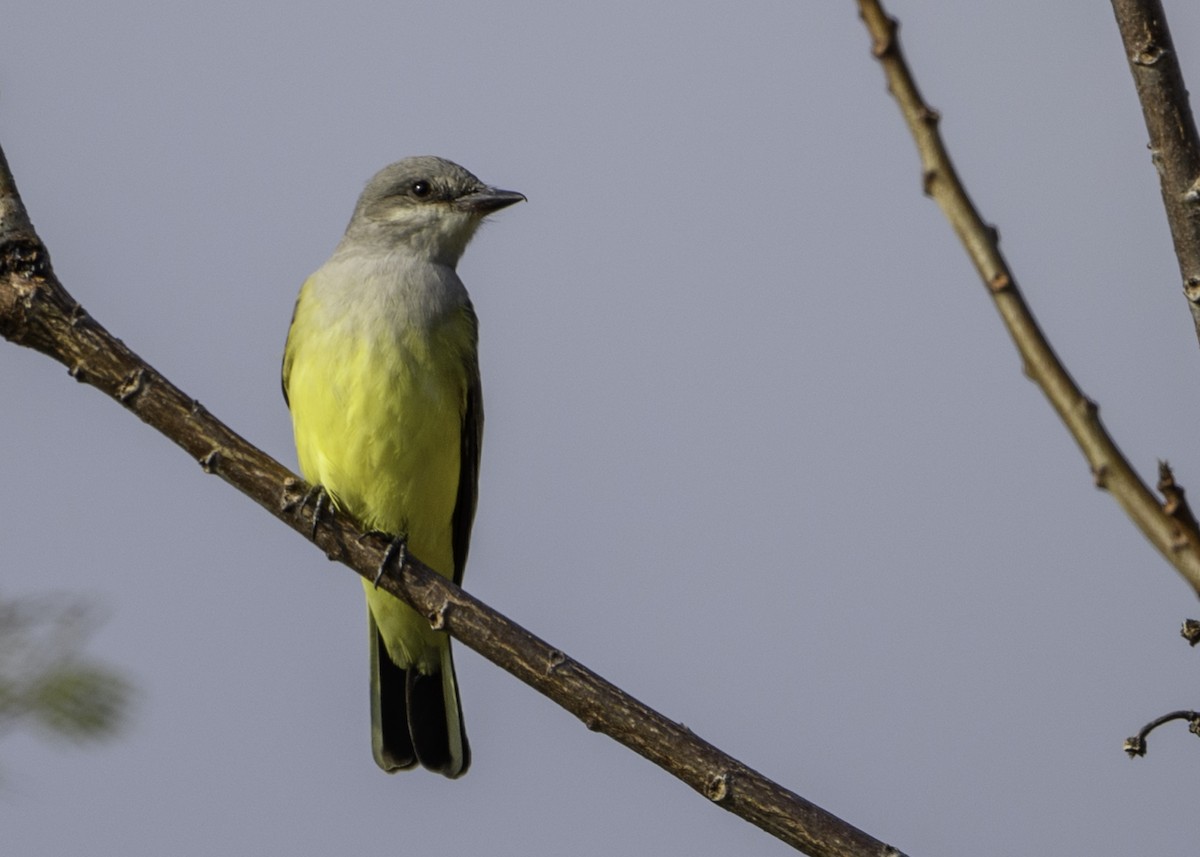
(427, 206)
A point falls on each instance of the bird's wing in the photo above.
(470, 444)
(288, 352)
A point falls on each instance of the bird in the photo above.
(381, 376)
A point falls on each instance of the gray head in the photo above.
(424, 205)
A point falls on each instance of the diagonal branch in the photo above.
(37, 312)
(1176, 537)
(1174, 144)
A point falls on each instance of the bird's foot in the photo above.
(397, 550)
(319, 497)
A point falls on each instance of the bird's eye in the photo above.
(421, 188)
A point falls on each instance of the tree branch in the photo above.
(37, 312)
(1135, 745)
(1174, 145)
(1175, 535)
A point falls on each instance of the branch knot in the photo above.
(717, 788)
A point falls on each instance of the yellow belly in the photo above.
(377, 418)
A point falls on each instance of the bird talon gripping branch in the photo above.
(319, 498)
(397, 550)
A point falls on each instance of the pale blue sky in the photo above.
(757, 447)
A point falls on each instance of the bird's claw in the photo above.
(397, 550)
(319, 497)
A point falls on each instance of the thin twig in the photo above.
(1135, 745)
(1174, 144)
(1177, 540)
(37, 312)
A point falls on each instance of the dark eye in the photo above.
(421, 188)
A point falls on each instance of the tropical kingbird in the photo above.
(381, 375)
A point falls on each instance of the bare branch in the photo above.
(1174, 145)
(1135, 745)
(1176, 538)
(37, 312)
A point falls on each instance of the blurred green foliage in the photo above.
(46, 682)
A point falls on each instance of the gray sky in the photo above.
(758, 449)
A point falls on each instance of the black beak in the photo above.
(488, 199)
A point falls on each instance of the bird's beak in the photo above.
(488, 199)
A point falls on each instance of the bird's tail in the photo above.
(416, 717)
